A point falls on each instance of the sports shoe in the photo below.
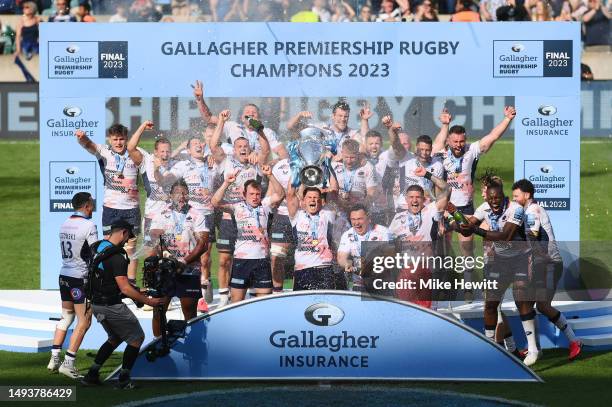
(202, 305)
(532, 357)
(91, 380)
(125, 384)
(520, 354)
(70, 371)
(223, 301)
(575, 348)
(54, 363)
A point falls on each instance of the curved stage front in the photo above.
(328, 335)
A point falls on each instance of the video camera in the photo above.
(159, 275)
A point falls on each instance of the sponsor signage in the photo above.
(66, 178)
(552, 182)
(87, 59)
(330, 335)
(532, 59)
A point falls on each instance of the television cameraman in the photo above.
(107, 285)
(179, 232)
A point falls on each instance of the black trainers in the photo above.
(125, 384)
(91, 380)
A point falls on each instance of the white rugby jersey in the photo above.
(252, 241)
(350, 242)
(511, 212)
(282, 173)
(342, 136)
(460, 173)
(538, 223)
(76, 235)
(179, 237)
(314, 242)
(409, 227)
(383, 165)
(355, 182)
(406, 178)
(248, 171)
(200, 178)
(157, 196)
(233, 130)
(120, 178)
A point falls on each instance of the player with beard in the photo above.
(251, 264)
(357, 183)
(312, 232)
(415, 229)
(181, 230)
(339, 125)
(247, 170)
(349, 250)
(199, 173)
(460, 160)
(121, 199)
(511, 261)
(547, 261)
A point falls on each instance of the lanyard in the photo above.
(348, 180)
(366, 238)
(456, 162)
(255, 214)
(494, 218)
(247, 134)
(373, 160)
(120, 161)
(178, 223)
(204, 179)
(314, 225)
(414, 222)
(80, 215)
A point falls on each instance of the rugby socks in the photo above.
(69, 358)
(490, 332)
(528, 321)
(203, 287)
(223, 296)
(129, 358)
(55, 350)
(561, 323)
(509, 342)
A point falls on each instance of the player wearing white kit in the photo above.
(511, 261)
(357, 183)
(281, 231)
(157, 194)
(181, 231)
(121, 199)
(547, 261)
(251, 263)
(350, 248)
(229, 165)
(199, 173)
(415, 228)
(460, 160)
(76, 236)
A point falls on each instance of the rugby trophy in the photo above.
(308, 158)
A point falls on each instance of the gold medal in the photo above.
(120, 176)
(179, 238)
(315, 242)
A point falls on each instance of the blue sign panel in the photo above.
(331, 335)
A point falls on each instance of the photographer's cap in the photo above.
(123, 224)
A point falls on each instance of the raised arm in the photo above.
(365, 113)
(487, 141)
(292, 123)
(198, 93)
(393, 130)
(293, 202)
(276, 193)
(132, 145)
(215, 145)
(440, 141)
(264, 153)
(444, 190)
(85, 142)
(217, 198)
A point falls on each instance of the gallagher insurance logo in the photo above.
(72, 111)
(323, 314)
(547, 122)
(72, 49)
(71, 119)
(518, 47)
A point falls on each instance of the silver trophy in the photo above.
(308, 159)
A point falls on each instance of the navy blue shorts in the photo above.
(227, 235)
(187, 287)
(72, 289)
(467, 209)
(111, 215)
(281, 230)
(247, 273)
(209, 221)
(506, 271)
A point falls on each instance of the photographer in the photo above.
(108, 284)
(181, 231)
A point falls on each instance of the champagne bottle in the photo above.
(254, 123)
(457, 215)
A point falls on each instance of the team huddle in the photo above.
(230, 190)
